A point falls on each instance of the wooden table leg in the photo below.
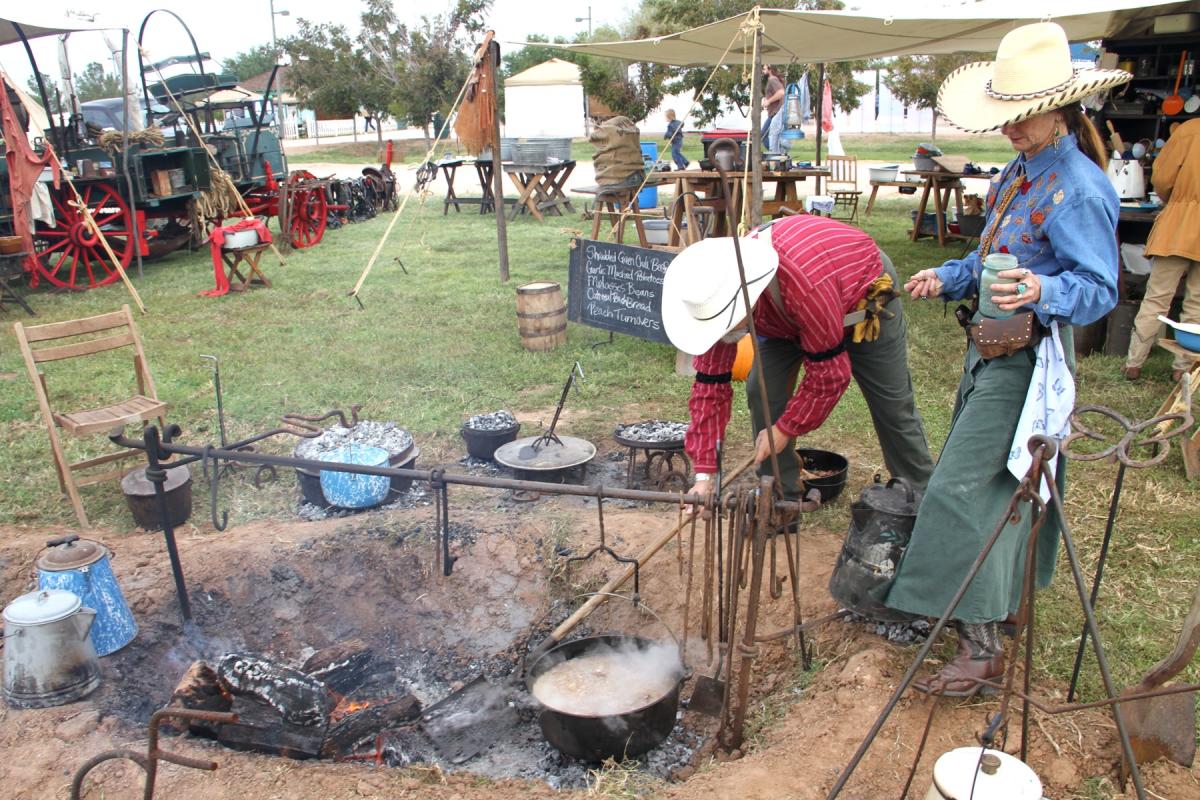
(916, 231)
(525, 183)
(256, 273)
(689, 215)
(488, 204)
(448, 171)
(871, 201)
(939, 212)
(556, 185)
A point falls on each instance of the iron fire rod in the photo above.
(161, 447)
(164, 448)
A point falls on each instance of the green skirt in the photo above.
(968, 496)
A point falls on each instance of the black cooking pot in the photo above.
(829, 486)
(594, 739)
(143, 502)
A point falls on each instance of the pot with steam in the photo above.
(607, 696)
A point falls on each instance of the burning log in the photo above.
(363, 721)
(198, 689)
(342, 667)
(261, 728)
(299, 699)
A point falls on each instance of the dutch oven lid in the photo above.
(136, 484)
(571, 453)
(70, 552)
(1000, 776)
(38, 608)
(894, 497)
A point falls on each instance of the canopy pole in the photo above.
(820, 95)
(493, 53)
(754, 151)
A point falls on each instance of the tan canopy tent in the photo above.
(827, 36)
(786, 36)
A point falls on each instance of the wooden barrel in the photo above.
(541, 315)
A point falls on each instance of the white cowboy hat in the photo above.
(702, 290)
(1032, 74)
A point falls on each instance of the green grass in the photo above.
(440, 343)
(364, 151)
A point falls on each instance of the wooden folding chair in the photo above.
(842, 186)
(118, 331)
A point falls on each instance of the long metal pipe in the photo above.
(543, 487)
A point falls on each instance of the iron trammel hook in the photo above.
(214, 479)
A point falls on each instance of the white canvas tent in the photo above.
(828, 36)
(546, 100)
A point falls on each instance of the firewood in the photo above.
(359, 727)
(261, 728)
(300, 699)
(342, 667)
(198, 689)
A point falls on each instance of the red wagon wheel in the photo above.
(309, 211)
(70, 254)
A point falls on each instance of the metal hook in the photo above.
(214, 480)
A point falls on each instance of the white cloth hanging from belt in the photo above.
(1047, 410)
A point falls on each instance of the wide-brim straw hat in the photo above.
(702, 290)
(1032, 74)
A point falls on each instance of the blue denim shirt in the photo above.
(1062, 225)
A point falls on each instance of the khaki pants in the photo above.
(1160, 290)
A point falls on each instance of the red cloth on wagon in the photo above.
(24, 167)
(217, 242)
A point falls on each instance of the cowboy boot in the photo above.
(980, 656)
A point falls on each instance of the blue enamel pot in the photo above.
(350, 489)
(81, 566)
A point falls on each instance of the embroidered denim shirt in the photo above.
(1062, 225)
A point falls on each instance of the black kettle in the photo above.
(881, 522)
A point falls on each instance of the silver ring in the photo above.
(1021, 288)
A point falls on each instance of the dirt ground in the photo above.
(280, 586)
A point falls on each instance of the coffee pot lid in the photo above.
(985, 775)
(38, 608)
(70, 552)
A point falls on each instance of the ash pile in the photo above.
(501, 420)
(386, 435)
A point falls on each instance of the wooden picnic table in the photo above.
(540, 187)
(702, 188)
(940, 184)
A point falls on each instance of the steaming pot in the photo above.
(987, 775)
(49, 658)
(81, 566)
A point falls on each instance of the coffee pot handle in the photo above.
(84, 628)
(908, 490)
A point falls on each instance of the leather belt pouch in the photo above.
(994, 338)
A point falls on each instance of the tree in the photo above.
(255, 61)
(53, 92)
(95, 83)
(421, 69)
(326, 71)
(915, 80)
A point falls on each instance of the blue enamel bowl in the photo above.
(349, 489)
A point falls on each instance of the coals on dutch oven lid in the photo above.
(387, 435)
(501, 420)
(654, 430)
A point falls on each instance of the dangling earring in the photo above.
(1058, 135)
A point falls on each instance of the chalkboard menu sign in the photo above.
(617, 287)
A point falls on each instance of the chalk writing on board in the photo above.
(618, 288)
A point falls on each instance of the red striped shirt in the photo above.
(825, 268)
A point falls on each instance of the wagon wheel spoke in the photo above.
(74, 239)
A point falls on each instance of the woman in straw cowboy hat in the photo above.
(1053, 209)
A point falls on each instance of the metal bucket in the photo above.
(596, 738)
(81, 566)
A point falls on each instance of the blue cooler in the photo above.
(81, 566)
(648, 197)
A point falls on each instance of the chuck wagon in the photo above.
(153, 190)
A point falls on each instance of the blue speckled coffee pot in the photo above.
(81, 566)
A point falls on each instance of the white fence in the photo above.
(305, 127)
